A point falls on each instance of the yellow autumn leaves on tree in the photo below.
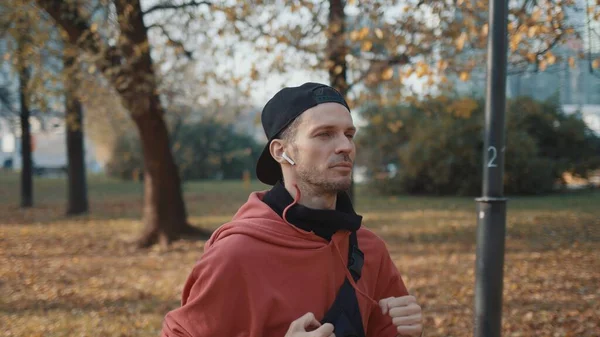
(387, 52)
(460, 41)
(462, 108)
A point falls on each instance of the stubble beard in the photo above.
(315, 180)
(311, 178)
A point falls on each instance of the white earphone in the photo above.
(285, 156)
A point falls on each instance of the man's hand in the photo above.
(405, 313)
(308, 326)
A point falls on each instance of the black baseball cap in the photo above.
(281, 110)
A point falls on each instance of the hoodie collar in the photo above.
(323, 222)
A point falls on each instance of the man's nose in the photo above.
(344, 145)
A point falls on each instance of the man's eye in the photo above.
(350, 136)
(323, 134)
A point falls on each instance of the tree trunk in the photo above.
(164, 210)
(337, 49)
(164, 215)
(77, 184)
(128, 66)
(336, 54)
(26, 160)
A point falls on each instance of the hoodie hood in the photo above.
(256, 219)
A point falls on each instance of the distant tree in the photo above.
(6, 101)
(128, 66)
(209, 149)
(77, 183)
(45, 71)
(203, 150)
(435, 147)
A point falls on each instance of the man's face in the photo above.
(323, 148)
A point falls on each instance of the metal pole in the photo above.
(491, 207)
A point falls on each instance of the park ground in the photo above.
(78, 276)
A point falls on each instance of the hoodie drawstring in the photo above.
(350, 278)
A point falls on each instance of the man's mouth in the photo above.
(343, 164)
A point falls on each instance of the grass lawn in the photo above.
(78, 276)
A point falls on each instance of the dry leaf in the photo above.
(422, 69)
(485, 30)
(550, 58)
(536, 15)
(387, 74)
(515, 40)
(363, 32)
(532, 31)
(394, 127)
(442, 65)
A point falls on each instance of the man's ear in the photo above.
(277, 148)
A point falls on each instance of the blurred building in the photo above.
(48, 142)
(572, 80)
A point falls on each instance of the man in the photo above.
(295, 261)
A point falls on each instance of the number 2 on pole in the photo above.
(493, 156)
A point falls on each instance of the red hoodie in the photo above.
(258, 274)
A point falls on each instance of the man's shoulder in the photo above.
(235, 244)
(372, 244)
(370, 237)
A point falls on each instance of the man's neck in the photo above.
(311, 199)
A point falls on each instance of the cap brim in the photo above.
(268, 170)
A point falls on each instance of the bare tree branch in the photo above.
(261, 32)
(169, 5)
(6, 100)
(551, 45)
(79, 32)
(379, 65)
(177, 43)
(71, 20)
(319, 28)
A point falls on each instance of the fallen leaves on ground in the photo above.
(80, 277)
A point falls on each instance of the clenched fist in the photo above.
(308, 326)
(405, 313)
